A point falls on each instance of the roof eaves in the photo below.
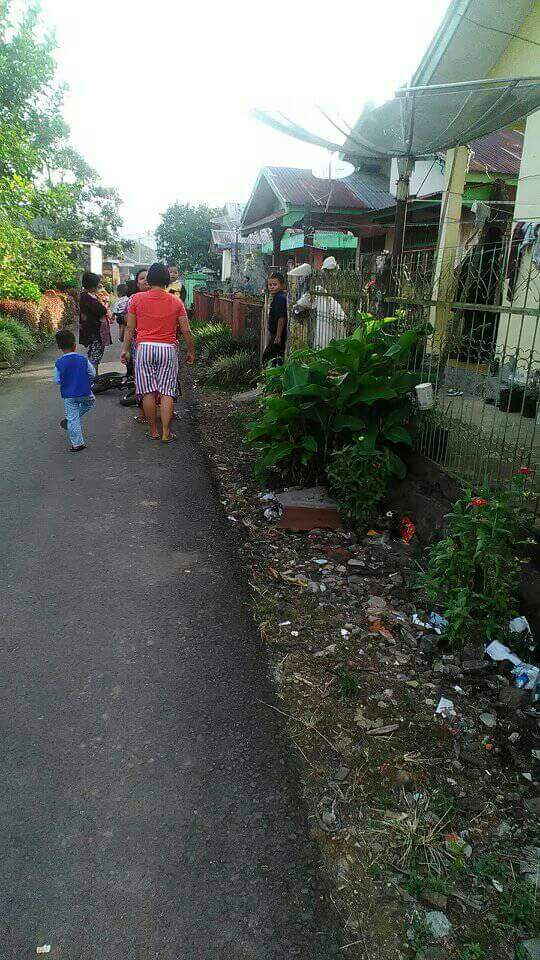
(439, 44)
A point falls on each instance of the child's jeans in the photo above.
(76, 407)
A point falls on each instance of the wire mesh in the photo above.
(482, 356)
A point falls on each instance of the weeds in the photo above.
(416, 836)
(520, 908)
(472, 951)
(239, 370)
(349, 685)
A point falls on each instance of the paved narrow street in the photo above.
(147, 806)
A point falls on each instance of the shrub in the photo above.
(207, 332)
(12, 289)
(354, 388)
(8, 347)
(24, 310)
(359, 479)
(473, 573)
(226, 346)
(239, 370)
(52, 311)
(24, 340)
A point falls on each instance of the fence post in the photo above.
(238, 317)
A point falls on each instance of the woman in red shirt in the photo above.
(158, 317)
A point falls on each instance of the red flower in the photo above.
(525, 472)
(377, 466)
(478, 502)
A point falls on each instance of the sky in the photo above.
(161, 93)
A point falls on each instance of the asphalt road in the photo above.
(147, 806)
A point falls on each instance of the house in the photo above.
(479, 39)
(309, 217)
(141, 257)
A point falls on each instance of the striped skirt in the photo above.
(156, 369)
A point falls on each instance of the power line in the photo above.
(505, 33)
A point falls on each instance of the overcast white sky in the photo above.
(161, 92)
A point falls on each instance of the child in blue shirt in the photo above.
(74, 374)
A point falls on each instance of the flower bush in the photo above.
(355, 390)
(473, 573)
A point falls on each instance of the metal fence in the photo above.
(482, 356)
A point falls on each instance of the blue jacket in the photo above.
(73, 372)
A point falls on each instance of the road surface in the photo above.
(148, 810)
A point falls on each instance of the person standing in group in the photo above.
(92, 314)
(176, 286)
(74, 374)
(120, 308)
(157, 316)
(277, 319)
(138, 285)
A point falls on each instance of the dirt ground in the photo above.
(427, 823)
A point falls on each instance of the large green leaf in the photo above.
(295, 375)
(277, 452)
(397, 434)
(368, 440)
(310, 443)
(375, 388)
(403, 344)
(307, 390)
(402, 381)
(345, 421)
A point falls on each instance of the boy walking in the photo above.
(73, 372)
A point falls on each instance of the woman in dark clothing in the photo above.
(92, 312)
(277, 319)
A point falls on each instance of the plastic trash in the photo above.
(45, 948)
(519, 625)
(445, 708)
(526, 676)
(438, 623)
(497, 651)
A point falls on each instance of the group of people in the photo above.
(151, 318)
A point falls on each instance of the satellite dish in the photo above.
(333, 169)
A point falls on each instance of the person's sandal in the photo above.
(140, 420)
(170, 438)
(77, 449)
(150, 437)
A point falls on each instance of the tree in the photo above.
(184, 236)
(45, 185)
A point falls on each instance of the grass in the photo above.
(416, 885)
(417, 838)
(349, 685)
(229, 373)
(491, 866)
(520, 908)
(8, 347)
(23, 338)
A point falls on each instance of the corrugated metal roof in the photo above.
(360, 191)
(498, 153)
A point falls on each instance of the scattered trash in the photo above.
(498, 886)
(271, 514)
(519, 625)
(497, 651)
(445, 708)
(266, 497)
(526, 676)
(407, 529)
(434, 622)
(438, 924)
(488, 719)
(46, 948)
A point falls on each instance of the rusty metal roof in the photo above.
(300, 188)
(498, 153)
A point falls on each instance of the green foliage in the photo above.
(225, 345)
(12, 289)
(473, 573)
(205, 333)
(472, 951)
(8, 347)
(349, 685)
(24, 340)
(45, 263)
(234, 372)
(520, 908)
(359, 478)
(355, 390)
(184, 236)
